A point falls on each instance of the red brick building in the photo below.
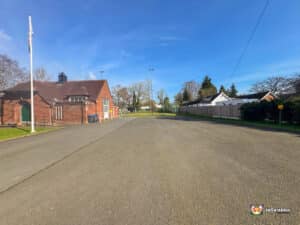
(61, 102)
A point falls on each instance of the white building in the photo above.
(223, 99)
(257, 97)
(213, 100)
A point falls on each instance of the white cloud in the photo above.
(92, 76)
(170, 38)
(4, 36)
(164, 44)
(152, 35)
(109, 66)
(165, 41)
(124, 54)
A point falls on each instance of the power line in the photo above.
(261, 15)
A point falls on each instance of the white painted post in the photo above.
(31, 75)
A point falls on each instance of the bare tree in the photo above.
(141, 90)
(121, 96)
(10, 72)
(148, 91)
(41, 74)
(115, 96)
(277, 85)
(295, 82)
(192, 87)
(161, 96)
(178, 98)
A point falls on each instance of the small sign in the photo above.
(280, 107)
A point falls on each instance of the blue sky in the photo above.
(182, 40)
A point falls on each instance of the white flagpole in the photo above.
(31, 76)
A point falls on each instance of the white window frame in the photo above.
(58, 112)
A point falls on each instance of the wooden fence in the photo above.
(224, 111)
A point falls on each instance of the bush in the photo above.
(260, 111)
(270, 109)
(296, 113)
(288, 112)
(253, 111)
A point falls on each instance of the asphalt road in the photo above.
(150, 171)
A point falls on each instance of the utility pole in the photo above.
(151, 91)
(30, 33)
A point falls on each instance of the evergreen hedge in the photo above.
(261, 111)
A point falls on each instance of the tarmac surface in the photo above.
(150, 172)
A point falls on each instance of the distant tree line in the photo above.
(139, 94)
(286, 88)
(133, 96)
(192, 90)
(278, 85)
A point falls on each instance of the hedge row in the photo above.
(260, 111)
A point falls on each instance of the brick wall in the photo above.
(72, 114)
(91, 108)
(104, 94)
(42, 111)
(115, 112)
(11, 111)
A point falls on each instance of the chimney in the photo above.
(62, 78)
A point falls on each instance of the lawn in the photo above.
(147, 114)
(9, 133)
(263, 125)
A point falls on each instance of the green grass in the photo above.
(147, 114)
(14, 132)
(259, 124)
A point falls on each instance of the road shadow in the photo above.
(229, 123)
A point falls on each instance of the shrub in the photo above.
(296, 113)
(270, 110)
(253, 111)
(260, 111)
(288, 112)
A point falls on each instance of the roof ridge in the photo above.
(84, 81)
(54, 82)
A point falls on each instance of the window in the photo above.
(77, 98)
(58, 112)
(105, 105)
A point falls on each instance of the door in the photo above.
(105, 108)
(26, 112)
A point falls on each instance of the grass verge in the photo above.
(263, 125)
(7, 133)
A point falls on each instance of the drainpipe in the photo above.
(1, 111)
(81, 113)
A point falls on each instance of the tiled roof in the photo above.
(55, 91)
(205, 100)
(259, 95)
(11, 95)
